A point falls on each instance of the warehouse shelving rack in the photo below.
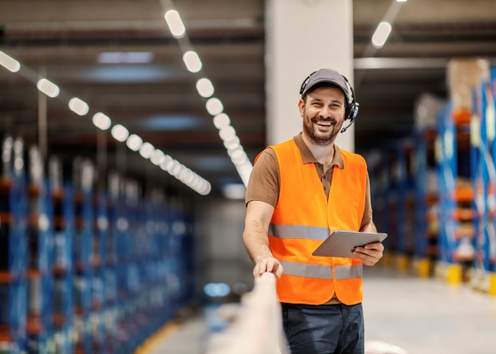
(402, 173)
(484, 183)
(392, 203)
(13, 272)
(83, 254)
(379, 186)
(87, 272)
(489, 107)
(426, 203)
(100, 264)
(456, 194)
(40, 277)
(62, 196)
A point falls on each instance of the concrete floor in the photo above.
(419, 316)
(427, 316)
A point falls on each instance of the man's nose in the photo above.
(325, 113)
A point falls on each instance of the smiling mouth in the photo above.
(324, 124)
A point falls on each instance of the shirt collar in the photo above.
(307, 156)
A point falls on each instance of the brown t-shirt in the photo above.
(263, 185)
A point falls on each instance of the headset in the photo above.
(352, 106)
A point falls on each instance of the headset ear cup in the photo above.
(355, 107)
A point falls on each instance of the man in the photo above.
(299, 190)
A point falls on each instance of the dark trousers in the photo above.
(324, 329)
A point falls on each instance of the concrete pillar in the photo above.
(303, 36)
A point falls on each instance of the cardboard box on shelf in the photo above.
(463, 75)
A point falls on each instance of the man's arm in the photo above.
(368, 227)
(258, 216)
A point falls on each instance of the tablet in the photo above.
(342, 243)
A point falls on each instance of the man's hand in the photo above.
(370, 254)
(267, 264)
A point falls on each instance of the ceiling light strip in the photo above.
(206, 90)
(118, 131)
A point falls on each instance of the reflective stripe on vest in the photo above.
(322, 271)
(299, 231)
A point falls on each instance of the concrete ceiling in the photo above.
(158, 100)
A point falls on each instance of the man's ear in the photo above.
(301, 106)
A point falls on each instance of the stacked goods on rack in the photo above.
(453, 150)
(483, 148)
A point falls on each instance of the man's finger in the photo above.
(364, 257)
(263, 267)
(369, 252)
(377, 246)
(256, 270)
(270, 265)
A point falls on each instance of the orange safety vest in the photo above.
(303, 218)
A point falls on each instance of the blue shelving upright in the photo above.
(490, 115)
(379, 186)
(82, 254)
(426, 202)
(40, 236)
(483, 168)
(62, 265)
(456, 195)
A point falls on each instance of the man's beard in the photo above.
(308, 128)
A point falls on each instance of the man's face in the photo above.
(323, 112)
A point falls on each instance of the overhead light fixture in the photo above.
(227, 133)
(125, 57)
(192, 61)
(381, 34)
(157, 157)
(176, 168)
(146, 150)
(9, 63)
(119, 132)
(48, 88)
(171, 165)
(234, 191)
(205, 87)
(232, 143)
(214, 106)
(237, 154)
(401, 0)
(206, 188)
(101, 121)
(221, 120)
(134, 142)
(244, 171)
(175, 23)
(78, 106)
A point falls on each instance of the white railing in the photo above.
(257, 327)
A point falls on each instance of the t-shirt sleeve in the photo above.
(263, 184)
